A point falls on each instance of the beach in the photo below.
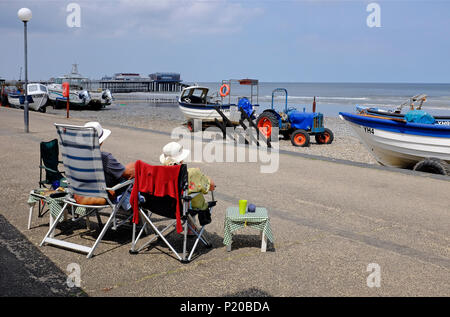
(165, 117)
(331, 220)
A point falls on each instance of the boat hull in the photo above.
(55, 95)
(38, 101)
(400, 144)
(207, 113)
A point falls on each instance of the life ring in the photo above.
(227, 90)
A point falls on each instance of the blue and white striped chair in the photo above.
(85, 177)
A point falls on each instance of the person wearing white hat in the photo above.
(103, 134)
(174, 154)
(115, 172)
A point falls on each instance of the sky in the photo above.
(211, 40)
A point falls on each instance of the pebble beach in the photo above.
(166, 116)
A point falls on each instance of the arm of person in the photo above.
(129, 171)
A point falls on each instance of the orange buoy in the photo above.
(224, 90)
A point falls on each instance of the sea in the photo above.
(332, 98)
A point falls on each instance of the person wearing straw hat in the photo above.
(115, 172)
(175, 154)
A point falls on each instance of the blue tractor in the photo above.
(294, 124)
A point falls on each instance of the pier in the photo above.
(130, 82)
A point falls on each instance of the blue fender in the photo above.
(301, 120)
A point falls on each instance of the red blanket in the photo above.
(157, 181)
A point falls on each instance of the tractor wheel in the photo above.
(325, 138)
(434, 166)
(191, 126)
(266, 122)
(300, 138)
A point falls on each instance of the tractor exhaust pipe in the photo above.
(314, 105)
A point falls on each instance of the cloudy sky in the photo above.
(210, 40)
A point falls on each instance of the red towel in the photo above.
(157, 181)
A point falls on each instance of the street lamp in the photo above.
(25, 15)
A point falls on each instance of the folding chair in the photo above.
(49, 162)
(165, 207)
(85, 176)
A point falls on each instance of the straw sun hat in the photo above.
(103, 134)
(173, 153)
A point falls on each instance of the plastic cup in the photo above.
(55, 184)
(242, 206)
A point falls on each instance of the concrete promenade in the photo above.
(330, 221)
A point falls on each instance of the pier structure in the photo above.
(131, 82)
(161, 82)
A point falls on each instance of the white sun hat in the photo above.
(173, 153)
(103, 134)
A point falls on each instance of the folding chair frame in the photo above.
(187, 221)
(112, 220)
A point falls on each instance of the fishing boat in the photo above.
(196, 103)
(77, 97)
(398, 143)
(37, 97)
(414, 103)
(100, 99)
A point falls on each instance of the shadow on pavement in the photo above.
(25, 271)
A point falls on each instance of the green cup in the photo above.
(242, 206)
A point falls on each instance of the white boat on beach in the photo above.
(101, 99)
(76, 97)
(195, 103)
(395, 142)
(37, 97)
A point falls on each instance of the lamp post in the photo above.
(25, 15)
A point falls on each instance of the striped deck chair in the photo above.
(165, 207)
(85, 176)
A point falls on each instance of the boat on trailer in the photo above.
(196, 103)
(398, 143)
